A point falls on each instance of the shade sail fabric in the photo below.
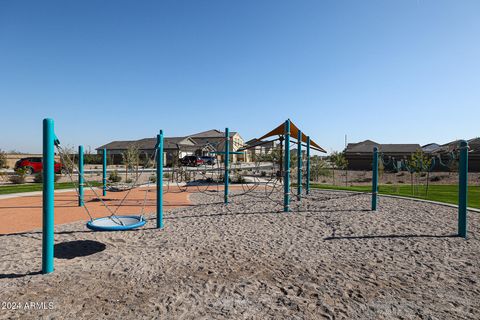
(279, 131)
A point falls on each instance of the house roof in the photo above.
(148, 143)
(474, 145)
(212, 138)
(367, 147)
(214, 133)
(431, 147)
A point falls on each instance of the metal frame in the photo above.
(463, 189)
(48, 209)
(286, 171)
(159, 159)
(80, 177)
(375, 179)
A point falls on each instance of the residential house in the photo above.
(450, 149)
(359, 155)
(200, 144)
(255, 148)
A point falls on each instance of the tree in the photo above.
(3, 159)
(131, 159)
(338, 161)
(417, 164)
(318, 168)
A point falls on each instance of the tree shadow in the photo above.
(77, 248)
(390, 236)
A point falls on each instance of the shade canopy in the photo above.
(280, 131)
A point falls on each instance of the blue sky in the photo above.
(405, 71)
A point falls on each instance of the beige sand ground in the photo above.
(331, 258)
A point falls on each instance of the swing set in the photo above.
(112, 222)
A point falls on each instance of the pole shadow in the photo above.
(390, 236)
(18, 275)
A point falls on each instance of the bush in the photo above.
(240, 179)
(114, 177)
(38, 178)
(89, 158)
(18, 177)
(128, 180)
(152, 179)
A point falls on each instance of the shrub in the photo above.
(240, 179)
(89, 158)
(128, 180)
(114, 177)
(38, 178)
(152, 179)
(18, 177)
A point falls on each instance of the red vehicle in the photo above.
(34, 165)
(191, 161)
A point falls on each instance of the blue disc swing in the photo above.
(113, 222)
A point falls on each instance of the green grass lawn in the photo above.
(441, 193)
(37, 187)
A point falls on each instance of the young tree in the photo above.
(131, 158)
(338, 161)
(418, 163)
(3, 159)
(318, 168)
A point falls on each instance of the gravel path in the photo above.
(330, 258)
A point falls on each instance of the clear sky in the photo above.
(394, 71)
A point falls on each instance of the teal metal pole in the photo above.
(160, 180)
(48, 196)
(227, 164)
(463, 189)
(299, 165)
(286, 186)
(80, 176)
(307, 187)
(374, 178)
(104, 173)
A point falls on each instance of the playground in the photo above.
(197, 244)
(330, 258)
